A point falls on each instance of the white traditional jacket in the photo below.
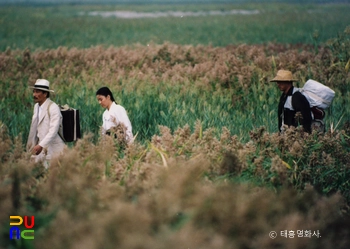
(115, 115)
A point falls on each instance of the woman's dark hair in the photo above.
(105, 92)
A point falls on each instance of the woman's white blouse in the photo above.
(116, 115)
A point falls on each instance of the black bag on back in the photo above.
(70, 128)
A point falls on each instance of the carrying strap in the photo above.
(48, 109)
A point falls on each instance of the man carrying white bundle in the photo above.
(288, 107)
(44, 141)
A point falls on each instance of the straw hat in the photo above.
(42, 84)
(283, 75)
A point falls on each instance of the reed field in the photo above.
(208, 167)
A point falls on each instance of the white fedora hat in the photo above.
(42, 84)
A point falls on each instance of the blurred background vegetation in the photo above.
(51, 26)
